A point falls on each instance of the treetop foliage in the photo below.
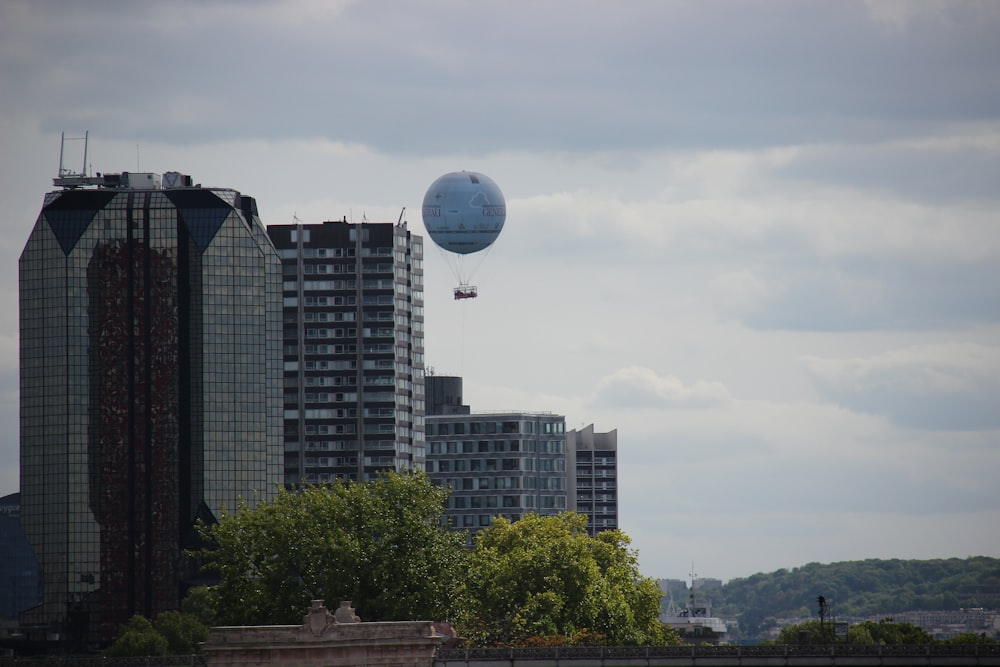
(544, 577)
(379, 544)
(173, 633)
(885, 632)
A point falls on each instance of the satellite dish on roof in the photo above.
(464, 213)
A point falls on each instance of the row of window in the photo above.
(341, 285)
(599, 461)
(484, 446)
(481, 501)
(489, 427)
(310, 269)
(338, 316)
(399, 367)
(587, 484)
(348, 445)
(586, 472)
(600, 497)
(330, 461)
(492, 465)
(310, 253)
(478, 483)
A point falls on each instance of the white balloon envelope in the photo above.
(463, 213)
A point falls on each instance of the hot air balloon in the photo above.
(464, 212)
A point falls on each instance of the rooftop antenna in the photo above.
(400, 221)
(64, 171)
(68, 178)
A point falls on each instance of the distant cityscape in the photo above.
(177, 355)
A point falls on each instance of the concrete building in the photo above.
(150, 329)
(353, 349)
(496, 463)
(535, 463)
(593, 485)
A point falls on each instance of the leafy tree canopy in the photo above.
(138, 637)
(380, 544)
(885, 632)
(545, 577)
(173, 633)
(182, 631)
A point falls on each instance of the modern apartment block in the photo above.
(593, 459)
(150, 352)
(496, 464)
(510, 464)
(353, 349)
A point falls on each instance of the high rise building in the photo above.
(150, 335)
(510, 464)
(593, 488)
(496, 463)
(353, 349)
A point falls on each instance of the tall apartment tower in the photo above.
(353, 349)
(593, 490)
(150, 324)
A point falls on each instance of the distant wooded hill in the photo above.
(858, 588)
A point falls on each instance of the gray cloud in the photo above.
(638, 387)
(939, 387)
(725, 474)
(484, 78)
(869, 295)
(695, 190)
(905, 171)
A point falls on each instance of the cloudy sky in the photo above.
(759, 238)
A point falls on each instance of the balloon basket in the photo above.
(465, 292)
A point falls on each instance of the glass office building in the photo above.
(150, 334)
(20, 579)
(353, 350)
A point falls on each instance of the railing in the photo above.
(789, 651)
(103, 661)
(955, 654)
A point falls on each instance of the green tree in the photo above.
(545, 577)
(809, 632)
(201, 602)
(183, 632)
(886, 631)
(138, 637)
(380, 544)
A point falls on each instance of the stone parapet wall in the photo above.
(327, 640)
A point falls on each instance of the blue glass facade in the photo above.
(20, 579)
